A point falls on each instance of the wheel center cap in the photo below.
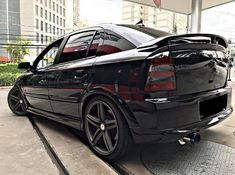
(21, 101)
(102, 126)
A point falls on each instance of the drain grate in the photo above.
(204, 158)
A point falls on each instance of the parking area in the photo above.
(39, 146)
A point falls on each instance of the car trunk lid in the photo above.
(186, 64)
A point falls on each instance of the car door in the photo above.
(75, 69)
(36, 86)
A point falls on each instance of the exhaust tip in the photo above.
(192, 138)
(181, 142)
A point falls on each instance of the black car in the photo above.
(119, 83)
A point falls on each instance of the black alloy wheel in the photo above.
(106, 131)
(16, 102)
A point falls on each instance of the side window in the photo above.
(49, 57)
(114, 43)
(77, 46)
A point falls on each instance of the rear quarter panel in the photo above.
(122, 74)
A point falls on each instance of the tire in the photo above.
(16, 102)
(105, 128)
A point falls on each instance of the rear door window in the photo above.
(77, 46)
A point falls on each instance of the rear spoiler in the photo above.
(185, 39)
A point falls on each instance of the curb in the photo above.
(6, 87)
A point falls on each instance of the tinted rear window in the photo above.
(140, 34)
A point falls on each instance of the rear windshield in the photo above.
(140, 34)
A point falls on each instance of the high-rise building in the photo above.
(39, 21)
(75, 13)
(44, 20)
(72, 15)
(154, 17)
(9, 23)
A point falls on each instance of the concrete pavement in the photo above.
(76, 157)
(23, 153)
(21, 150)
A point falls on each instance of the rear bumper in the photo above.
(176, 117)
(149, 135)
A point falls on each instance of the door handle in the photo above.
(81, 77)
(42, 82)
(76, 77)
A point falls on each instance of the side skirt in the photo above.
(75, 123)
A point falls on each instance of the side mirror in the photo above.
(24, 65)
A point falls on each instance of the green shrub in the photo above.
(8, 74)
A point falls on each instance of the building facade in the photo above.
(75, 13)
(10, 27)
(154, 17)
(38, 21)
(42, 22)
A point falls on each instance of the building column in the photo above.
(196, 16)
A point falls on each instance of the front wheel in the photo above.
(106, 129)
(16, 102)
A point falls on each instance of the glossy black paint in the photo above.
(62, 90)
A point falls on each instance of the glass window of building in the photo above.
(45, 14)
(46, 27)
(49, 16)
(53, 18)
(36, 9)
(37, 37)
(60, 10)
(60, 21)
(57, 8)
(53, 6)
(49, 4)
(57, 20)
(41, 25)
(37, 24)
(42, 38)
(41, 12)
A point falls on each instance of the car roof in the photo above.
(116, 29)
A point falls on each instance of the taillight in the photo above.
(161, 74)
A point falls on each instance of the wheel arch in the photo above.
(121, 105)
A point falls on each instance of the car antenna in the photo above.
(141, 22)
